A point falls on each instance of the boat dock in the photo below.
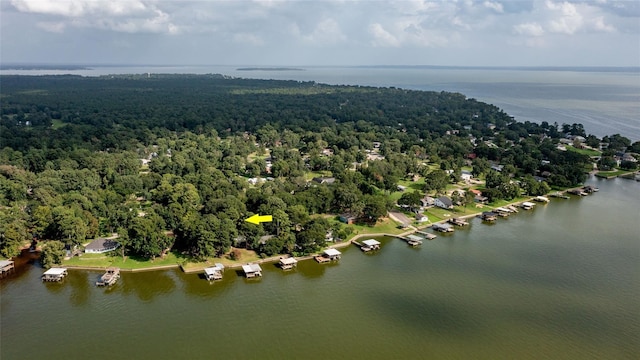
(527, 205)
(109, 277)
(412, 240)
(442, 227)
(288, 263)
(54, 274)
(252, 270)
(368, 245)
(214, 272)
(6, 266)
(428, 236)
(328, 255)
(490, 216)
(559, 195)
(458, 222)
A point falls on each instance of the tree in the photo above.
(12, 236)
(411, 199)
(436, 180)
(375, 207)
(53, 253)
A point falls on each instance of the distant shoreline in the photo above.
(269, 69)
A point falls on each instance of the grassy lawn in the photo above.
(311, 174)
(385, 225)
(612, 173)
(57, 124)
(104, 260)
(588, 152)
(246, 256)
(500, 203)
(94, 260)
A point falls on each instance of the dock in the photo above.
(412, 240)
(109, 277)
(490, 216)
(428, 236)
(442, 227)
(368, 245)
(542, 199)
(54, 274)
(288, 263)
(527, 205)
(6, 266)
(214, 272)
(328, 255)
(559, 195)
(579, 192)
(458, 222)
(252, 270)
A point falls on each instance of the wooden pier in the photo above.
(428, 236)
(54, 274)
(559, 195)
(6, 266)
(490, 216)
(328, 255)
(109, 277)
(412, 240)
(442, 227)
(368, 245)
(458, 222)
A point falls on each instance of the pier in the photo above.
(442, 227)
(109, 277)
(428, 236)
(252, 270)
(214, 272)
(458, 222)
(54, 274)
(328, 255)
(6, 266)
(368, 245)
(412, 240)
(288, 263)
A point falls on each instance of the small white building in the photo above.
(466, 175)
(370, 244)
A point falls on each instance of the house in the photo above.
(497, 168)
(402, 188)
(476, 192)
(101, 245)
(54, 274)
(481, 199)
(252, 270)
(427, 201)
(347, 218)
(214, 272)
(324, 180)
(466, 175)
(443, 202)
(421, 218)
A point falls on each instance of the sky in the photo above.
(321, 33)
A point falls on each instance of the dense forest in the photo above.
(178, 161)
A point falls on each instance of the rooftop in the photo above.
(371, 242)
(55, 271)
(332, 252)
(249, 268)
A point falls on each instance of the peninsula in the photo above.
(173, 165)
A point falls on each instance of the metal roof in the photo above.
(4, 263)
(55, 271)
(288, 261)
(332, 252)
(371, 242)
(249, 268)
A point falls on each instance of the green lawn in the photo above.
(112, 259)
(588, 152)
(385, 225)
(57, 124)
(613, 173)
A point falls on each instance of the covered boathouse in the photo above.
(6, 266)
(328, 255)
(288, 263)
(54, 274)
(252, 270)
(442, 227)
(109, 277)
(214, 272)
(369, 245)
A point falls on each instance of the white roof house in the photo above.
(252, 270)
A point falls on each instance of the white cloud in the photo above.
(327, 31)
(52, 26)
(382, 37)
(247, 38)
(497, 7)
(75, 8)
(599, 25)
(567, 19)
(529, 29)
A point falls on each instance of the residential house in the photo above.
(443, 202)
(101, 245)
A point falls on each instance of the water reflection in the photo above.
(80, 286)
(149, 284)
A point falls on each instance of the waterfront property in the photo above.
(101, 245)
(543, 199)
(288, 263)
(252, 270)
(109, 277)
(328, 255)
(590, 189)
(214, 272)
(579, 192)
(369, 245)
(54, 274)
(527, 205)
(443, 227)
(504, 212)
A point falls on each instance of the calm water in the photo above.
(606, 102)
(559, 282)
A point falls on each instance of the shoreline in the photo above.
(343, 244)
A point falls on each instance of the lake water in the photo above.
(606, 101)
(559, 282)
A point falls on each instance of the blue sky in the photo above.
(266, 32)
